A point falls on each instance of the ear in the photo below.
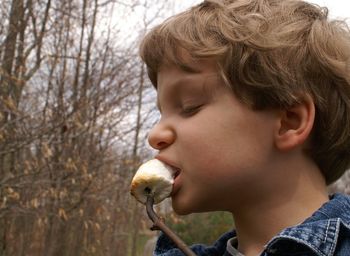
(295, 124)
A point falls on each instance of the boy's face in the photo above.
(223, 148)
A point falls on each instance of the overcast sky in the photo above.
(337, 8)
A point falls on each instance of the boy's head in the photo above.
(271, 53)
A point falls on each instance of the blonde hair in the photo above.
(269, 52)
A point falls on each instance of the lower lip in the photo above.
(176, 185)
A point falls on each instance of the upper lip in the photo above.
(173, 166)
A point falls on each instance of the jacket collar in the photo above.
(320, 231)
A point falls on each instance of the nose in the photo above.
(161, 136)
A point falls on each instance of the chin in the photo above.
(185, 208)
(182, 206)
(181, 210)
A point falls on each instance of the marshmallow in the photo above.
(153, 178)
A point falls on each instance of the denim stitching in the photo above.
(325, 238)
(333, 245)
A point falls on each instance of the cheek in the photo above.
(207, 162)
(222, 156)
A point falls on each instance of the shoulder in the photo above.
(341, 207)
(337, 207)
(325, 233)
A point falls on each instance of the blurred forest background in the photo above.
(75, 108)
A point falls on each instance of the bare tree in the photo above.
(75, 106)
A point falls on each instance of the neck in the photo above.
(290, 203)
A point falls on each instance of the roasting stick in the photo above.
(160, 225)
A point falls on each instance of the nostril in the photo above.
(162, 144)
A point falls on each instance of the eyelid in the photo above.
(191, 109)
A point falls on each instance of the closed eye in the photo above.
(190, 110)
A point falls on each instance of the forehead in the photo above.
(190, 71)
(186, 65)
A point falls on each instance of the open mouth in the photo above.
(176, 171)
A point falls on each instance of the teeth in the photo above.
(155, 178)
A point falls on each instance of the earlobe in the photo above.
(295, 124)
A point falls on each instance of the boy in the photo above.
(254, 98)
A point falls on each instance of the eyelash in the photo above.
(190, 110)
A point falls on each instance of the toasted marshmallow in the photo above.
(153, 178)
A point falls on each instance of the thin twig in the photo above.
(158, 224)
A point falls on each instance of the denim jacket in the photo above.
(325, 233)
